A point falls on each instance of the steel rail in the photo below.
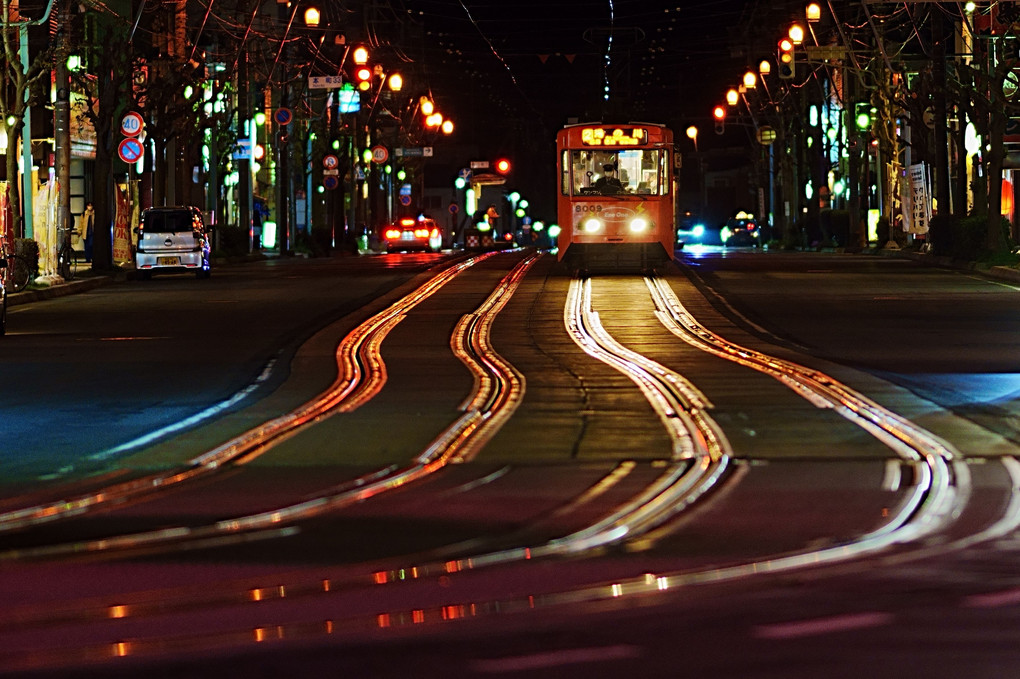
(937, 493)
(361, 374)
(461, 438)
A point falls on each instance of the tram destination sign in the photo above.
(614, 136)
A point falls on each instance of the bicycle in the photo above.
(19, 272)
(67, 258)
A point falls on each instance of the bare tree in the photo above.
(18, 94)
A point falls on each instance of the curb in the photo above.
(59, 290)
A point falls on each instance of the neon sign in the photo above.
(619, 136)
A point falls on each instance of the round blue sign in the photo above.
(330, 182)
(282, 116)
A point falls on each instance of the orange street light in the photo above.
(796, 34)
(765, 67)
(813, 12)
(312, 17)
(360, 56)
(750, 80)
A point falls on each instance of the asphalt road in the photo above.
(825, 546)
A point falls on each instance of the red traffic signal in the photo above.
(785, 59)
(363, 76)
(503, 166)
(719, 113)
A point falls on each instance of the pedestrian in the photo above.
(88, 219)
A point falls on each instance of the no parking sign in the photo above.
(130, 150)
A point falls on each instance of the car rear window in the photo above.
(168, 222)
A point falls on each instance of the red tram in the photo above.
(616, 197)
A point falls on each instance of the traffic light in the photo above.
(363, 76)
(503, 166)
(785, 59)
(862, 115)
(719, 113)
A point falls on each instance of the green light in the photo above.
(863, 116)
(460, 183)
(74, 63)
(554, 230)
(537, 226)
(514, 197)
(388, 169)
(524, 203)
(366, 155)
(336, 144)
(520, 212)
(260, 118)
(401, 175)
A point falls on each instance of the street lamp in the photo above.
(750, 80)
(732, 97)
(813, 12)
(312, 17)
(796, 34)
(692, 134)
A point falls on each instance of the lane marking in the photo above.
(573, 656)
(820, 626)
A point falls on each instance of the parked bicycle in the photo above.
(67, 258)
(19, 272)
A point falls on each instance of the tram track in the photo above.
(697, 462)
(361, 374)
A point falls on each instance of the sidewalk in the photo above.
(58, 287)
(1004, 273)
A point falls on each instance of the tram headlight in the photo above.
(592, 225)
(638, 225)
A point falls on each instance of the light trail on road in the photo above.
(361, 374)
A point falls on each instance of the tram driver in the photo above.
(608, 183)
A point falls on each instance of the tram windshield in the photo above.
(590, 172)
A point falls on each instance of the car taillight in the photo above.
(421, 233)
(392, 233)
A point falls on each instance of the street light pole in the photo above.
(62, 126)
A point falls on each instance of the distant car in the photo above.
(173, 239)
(413, 234)
(694, 231)
(740, 230)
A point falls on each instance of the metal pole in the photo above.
(62, 126)
(27, 184)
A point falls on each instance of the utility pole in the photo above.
(62, 124)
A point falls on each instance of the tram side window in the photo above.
(565, 173)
